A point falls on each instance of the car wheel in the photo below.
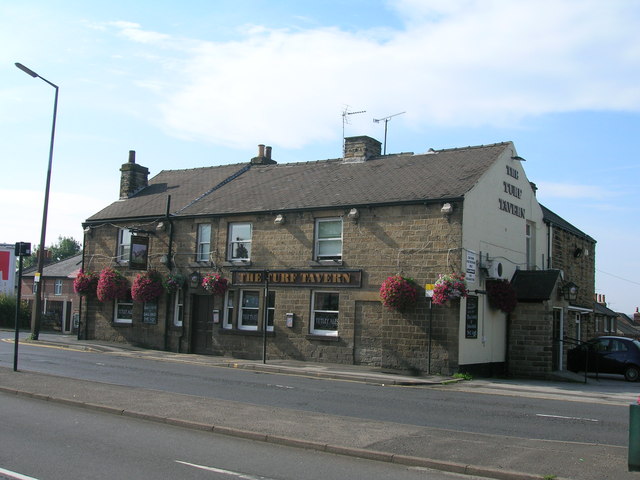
(632, 373)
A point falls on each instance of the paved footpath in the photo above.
(490, 456)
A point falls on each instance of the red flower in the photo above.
(215, 283)
(112, 285)
(501, 295)
(86, 283)
(398, 292)
(147, 286)
(449, 286)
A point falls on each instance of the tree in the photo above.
(65, 248)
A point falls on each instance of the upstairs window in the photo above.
(57, 288)
(124, 245)
(530, 245)
(328, 242)
(239, 241)
(203, 247)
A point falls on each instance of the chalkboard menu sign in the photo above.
(150, 313)
(471, 323)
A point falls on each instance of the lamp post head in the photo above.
(27, 70)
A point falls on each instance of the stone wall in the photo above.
(413, 240)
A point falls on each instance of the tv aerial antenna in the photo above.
(386, 120)
(345, 121)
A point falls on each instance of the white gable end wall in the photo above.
(496, 211)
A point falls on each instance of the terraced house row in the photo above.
(268, 260)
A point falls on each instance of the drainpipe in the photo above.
(167, 322)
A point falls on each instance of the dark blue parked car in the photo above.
(619, 355)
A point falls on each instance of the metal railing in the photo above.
(578, 342)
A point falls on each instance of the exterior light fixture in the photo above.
(353, 214)
(37, 307)
(161, 227)
(447, 209)
(194, 280)
(570, 291)
(280, 219)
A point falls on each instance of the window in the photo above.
(271, 310)
(249, 310)
(124, 245)
(329, 239)
(203, 248)
(57, 287)
(123, 312)
(239, 241)
(324, 314)
(178, 307)
(530, 245)
(227, 320)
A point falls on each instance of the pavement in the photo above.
(481, 455)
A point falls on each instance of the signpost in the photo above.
(21, 249)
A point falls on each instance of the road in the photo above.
(433, 407)
(48, 441)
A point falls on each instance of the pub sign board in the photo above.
(299, 278)
(139, 252)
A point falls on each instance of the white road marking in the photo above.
(14, 475)
(243, 476)
(567, 418)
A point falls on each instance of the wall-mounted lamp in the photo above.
(280, 219)
(88, 231)
(447, 209)
(570, 291)
(161, 227)
(353, 214)
(194, 280)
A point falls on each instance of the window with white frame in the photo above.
(530, 245)
(123, 312)
(229, 305)
(271, 310)
(328, 242)
(203, 247)
(249, 311)
(57, 287)
(124, 245)
(324, 313)
(178, 307)
(239, 241)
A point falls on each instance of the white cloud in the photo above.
(573, 191)
(465, 64)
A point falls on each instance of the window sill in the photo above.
(325, 263)
(325, 338)
(237, 263)
(122, 324)
(200, 264)
(246, 333)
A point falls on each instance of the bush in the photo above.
(8, 313)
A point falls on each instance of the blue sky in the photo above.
(197, 83)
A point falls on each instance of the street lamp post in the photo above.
(37, 307)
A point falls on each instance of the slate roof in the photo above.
(556, 220)
(534, 285)
(391, 179)
(67, 268)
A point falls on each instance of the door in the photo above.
(368, 334)
(202, 324)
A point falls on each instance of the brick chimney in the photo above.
(264, 156)
(636, 317)
(361, 149)
(133, 177)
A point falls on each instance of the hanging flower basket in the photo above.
(449, 286)
(215, 283)
(398, 293)
(86, 284)
(112, 285)
(147, 286)
(501, 295)
(173, 282)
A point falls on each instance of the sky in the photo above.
(203, 82)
